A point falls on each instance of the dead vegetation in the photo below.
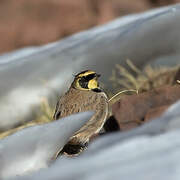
(46, 117)
(147, 79)
(157, 89)
(124, 82)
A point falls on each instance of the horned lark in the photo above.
(84, 94)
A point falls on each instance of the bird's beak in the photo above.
(98, 75)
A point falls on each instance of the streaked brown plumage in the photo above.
(83, 95)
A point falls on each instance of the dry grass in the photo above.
(47, 113)
(124, 82)
(137, 81)
(145, 80)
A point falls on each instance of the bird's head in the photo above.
(87, 80)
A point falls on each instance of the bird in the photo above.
(84, 94)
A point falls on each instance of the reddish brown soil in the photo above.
(25, 23)
(134, 110)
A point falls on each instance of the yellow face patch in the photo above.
(92, 84)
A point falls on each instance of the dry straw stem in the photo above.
(118, 95)
(11, 131)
